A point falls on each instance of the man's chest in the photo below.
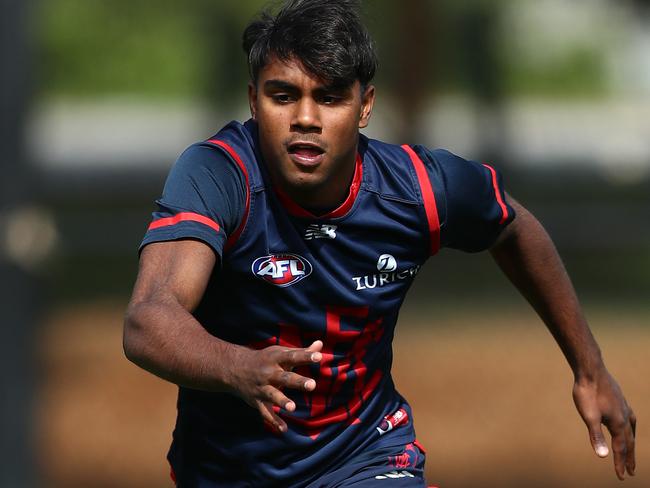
(371, 254)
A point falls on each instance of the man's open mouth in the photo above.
(305, 152)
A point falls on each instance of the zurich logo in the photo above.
(386, 263)
(281, 269)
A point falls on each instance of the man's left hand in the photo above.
(600, 401)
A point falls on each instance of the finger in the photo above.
(287, 379)
(620, 452)
(316, 346)
(587, 406)
(271, 418)
(630, 462)
(633, 423)
(276, 397)
(296, 357)
(597, 439)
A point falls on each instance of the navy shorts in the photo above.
(402, 467)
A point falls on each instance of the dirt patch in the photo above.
(491, 397)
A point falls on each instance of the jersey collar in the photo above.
(297, 211)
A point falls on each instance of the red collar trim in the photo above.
(296, 210)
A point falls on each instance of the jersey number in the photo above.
(342, 382)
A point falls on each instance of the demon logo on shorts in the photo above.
(281, 269)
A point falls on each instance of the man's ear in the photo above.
(252, 99)
(367, 102)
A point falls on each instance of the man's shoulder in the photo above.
(234, 137)
(218, 158)
(389, 170)
(380, 147)
(233, 144)
(236, 132)
(392, 152)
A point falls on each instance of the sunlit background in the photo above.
(99, 97)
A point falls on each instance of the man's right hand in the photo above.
(162, 336)
(259, 376)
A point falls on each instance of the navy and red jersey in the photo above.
(289, 277)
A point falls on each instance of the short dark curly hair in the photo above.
(327, 36)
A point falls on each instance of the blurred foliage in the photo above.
(191, 49)
(167, 48)
(93, 47)
(576, 72)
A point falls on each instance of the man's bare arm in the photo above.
(162, 336)
(529, 259)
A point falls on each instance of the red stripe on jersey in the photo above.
(232, 239)
(495, 184)
(342, 413)
(296, 210)
(430, 206)
(182, 217)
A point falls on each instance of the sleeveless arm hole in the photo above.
(477, 211)
(428, 198)
(506, 215)
(234, 237)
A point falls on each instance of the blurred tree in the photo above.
(473, 40)
(413, 64)
(643, 7)
(430, 46)
(224, 71)
(225, 75)
(642, 4)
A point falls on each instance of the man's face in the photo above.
(308, 131)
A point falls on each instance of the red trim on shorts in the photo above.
(296, 210)
(183, 217)
(232, 239)
(419, 446)
(430, 206)
(495, 184)
(172, 475)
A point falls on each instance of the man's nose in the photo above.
(307, 116)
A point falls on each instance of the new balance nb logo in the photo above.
(394, 475)
(320, 231)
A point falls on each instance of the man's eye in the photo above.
(329, 99)
(282, 98)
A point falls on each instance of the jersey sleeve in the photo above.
(204, 198)
(471, 202)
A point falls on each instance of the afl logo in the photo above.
(281, 269)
